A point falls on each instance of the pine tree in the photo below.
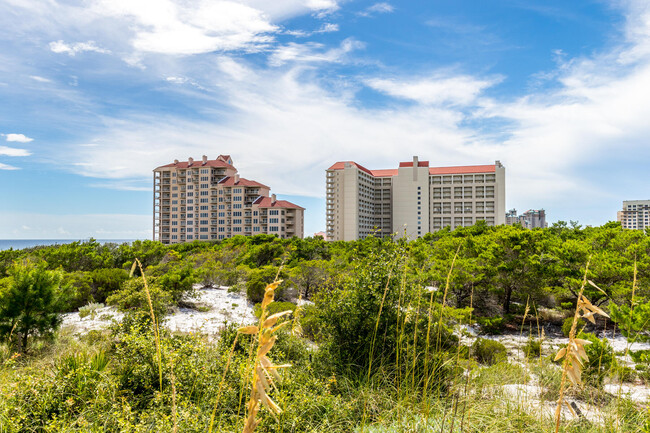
(29, 305)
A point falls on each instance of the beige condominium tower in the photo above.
(208, 200)
(411, 200)
(635, 214)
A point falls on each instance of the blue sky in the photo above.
(94, 94)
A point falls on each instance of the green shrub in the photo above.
(641, 356)
(259, 279)
(624, 373)
(309, 323)
(133, 298)
(489, 351)
(568, 322)
(568, 306)
(533, 348)
(275, 307)
(492, 325)
(601, 359)
(90, 310)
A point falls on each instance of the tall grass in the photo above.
(264, 371)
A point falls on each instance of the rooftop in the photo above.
(462, 169)
(268, 202)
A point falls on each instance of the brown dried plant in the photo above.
(264, 371)
(574, 353)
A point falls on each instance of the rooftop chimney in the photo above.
(190, 161)
(205, 159)
(415, 168)
(273, 200)
(236, 177)
(175, 161)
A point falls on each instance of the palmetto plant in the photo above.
(264, 371)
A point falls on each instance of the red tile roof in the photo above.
(384, 173)
(266, 202)
(377, 173)
(341, 165)
(230, 181)
(216, 163)
(410, 164)
(463, 169)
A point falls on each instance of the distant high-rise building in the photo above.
(208, 200)
(411, 200)
(530, 219)
(635, 214)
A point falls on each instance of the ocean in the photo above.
(19, 244)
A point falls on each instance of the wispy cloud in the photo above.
(377, 8)
(20, 138)
(325, 28)
(78, 47)
(312, 52)
(40, 79)
(169, 27)
(12, 151)
(435, 90)
(7, 167)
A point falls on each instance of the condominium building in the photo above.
(530, 219)
(208, 200)
(635, 214)
(412, 199)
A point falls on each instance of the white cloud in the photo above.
(377, 8)
(7, 167)
(176, 80)
(12, 151)
(325, 28)
(169, 27)
(79, 47)
(437, 90)
(312, 52)
(40, 79)
(323, 6)
(20, 138)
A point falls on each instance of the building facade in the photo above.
(208, 200)
(412, 200)
(635, 214)
(530, 219)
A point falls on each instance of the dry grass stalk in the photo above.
(221, 384)
(296, 329)
(264, 371)
(174, 409)
(153, 318)
(574, 353)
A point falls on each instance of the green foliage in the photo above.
(533, 348)
(641, 356)
(633, 322)
(492, 325)
(132, 298)
(275, 307)
(177, 281)
(106, 281)
(488, 351)
(568, 323)
(29, 305)
(90, 310)
(258, 280)
(601, 359)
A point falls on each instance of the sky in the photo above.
(95, 94)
